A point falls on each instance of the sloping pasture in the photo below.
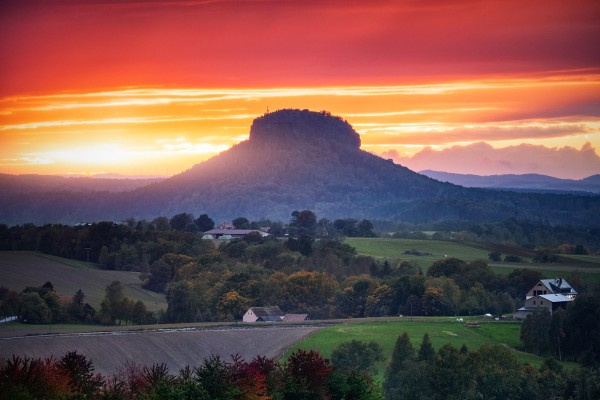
(176, 348)
(21, 269)
(394, 249)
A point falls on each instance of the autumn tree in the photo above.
(232, 306)
(307, 372)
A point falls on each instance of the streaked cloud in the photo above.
(482, 159)
(183, 126)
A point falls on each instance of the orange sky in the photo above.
(153, 87)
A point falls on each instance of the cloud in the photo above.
(483, 159)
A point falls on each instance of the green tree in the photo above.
(139, 312)
(303, 223)
(496, 372)
(33, 309)
(365, 229)
(82, 379)
(182, 302)
(449, 378)
(182, 222)
(161, 224)
(75, 309)
(79, 297)
(535, 332)
(241, 223)
(582, 328)
(204, 223)
(356, 356)
(426, 351)
(111, 306)
(495, 256)
(403, 353)
(432, 301)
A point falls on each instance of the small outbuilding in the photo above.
(264, 314)
(271, 314)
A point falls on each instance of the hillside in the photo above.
(31, 183)
(528, 182)
(298, 159)
(21, 269)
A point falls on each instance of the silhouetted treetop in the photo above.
(303, 126)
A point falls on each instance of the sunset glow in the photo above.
(155, 87)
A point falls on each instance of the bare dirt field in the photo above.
(176, 348)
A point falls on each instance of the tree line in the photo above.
(490, 372)
(307, 271)
(44, 305)
(566, 334)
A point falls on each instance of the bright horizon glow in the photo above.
(152, 88)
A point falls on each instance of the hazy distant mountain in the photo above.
(300, 160)
(51, 183)
(529, 182)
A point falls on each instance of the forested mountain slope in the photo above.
(528, 182)
(298, 159)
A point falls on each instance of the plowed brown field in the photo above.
(176, 348)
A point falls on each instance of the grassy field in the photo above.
(21, 269)
(440, 330)
(393, 249)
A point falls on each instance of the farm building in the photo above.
(295, 317)
(228, 231)
(263, 314)
(271, 314)
(550, 294)
(552, 286)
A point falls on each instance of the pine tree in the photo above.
(403, 352)
(426, 351)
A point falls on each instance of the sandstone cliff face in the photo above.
(299, 127)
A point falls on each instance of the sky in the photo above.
(151, 87)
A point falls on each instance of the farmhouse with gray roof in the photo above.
(228, 231)
(549, 294)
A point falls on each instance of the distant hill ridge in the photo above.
(531, 182)
(300, 159)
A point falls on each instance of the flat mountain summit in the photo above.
(297, 127)
(300, 159)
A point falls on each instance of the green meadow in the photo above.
(588, 266)
(444, 330)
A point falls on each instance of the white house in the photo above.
(549, 294)
(552, 286)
